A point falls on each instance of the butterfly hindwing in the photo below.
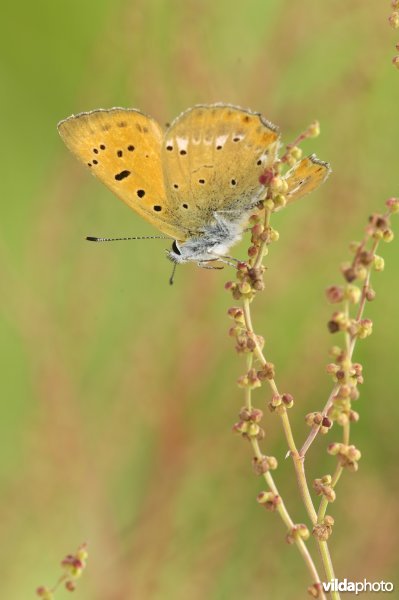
(213, 156)
(307, 175)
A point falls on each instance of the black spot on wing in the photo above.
(122, 175)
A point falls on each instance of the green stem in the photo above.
(298, 462)
(350, 345)
(297, 459)
(281, 508)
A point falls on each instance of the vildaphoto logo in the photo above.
(343, 585)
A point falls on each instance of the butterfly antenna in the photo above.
(172, 277)
(91, 238)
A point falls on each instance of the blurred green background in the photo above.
(118, 391)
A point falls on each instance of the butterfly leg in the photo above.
(204, 264)
(229, 260)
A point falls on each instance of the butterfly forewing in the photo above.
(122, 148)
(212, 158)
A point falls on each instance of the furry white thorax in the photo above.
(212, 244)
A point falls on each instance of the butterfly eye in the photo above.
(176, 248)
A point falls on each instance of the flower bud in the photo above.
(245, 414)
(279, 202)
(313, 129)
(269, 500)
(349, 273)
(260, 465)
(370, 294)
(379, 263)
(253, 429)
(240, 427)
(296, 152)
(274, 235)
(44, 593)
(314, 419)
(267, 372)
(335, 294)
(244, 287)
(394, 20)
(288, 400)
(365, 328)
(70, 585)
(388, 235)
(353, 293)
(354, 416)
(266, 177)
(332, 369)
(334, 448)
(393, 203)
(236, 313)
(264, 497)
(269, 204)
(256, 415)
(276, 400)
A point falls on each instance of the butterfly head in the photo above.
(175, 254)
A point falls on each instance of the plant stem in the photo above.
(281, 508)
(350, 347)
(297, 459)
(298, 462)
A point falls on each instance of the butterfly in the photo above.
(198, 181)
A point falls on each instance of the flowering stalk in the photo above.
(393, 20)
(347, 375)
(73, 565)
(250, 282)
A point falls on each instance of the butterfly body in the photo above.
(212, 243)
(198, 181)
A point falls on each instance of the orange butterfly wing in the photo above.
(122, 148)
(306, 176)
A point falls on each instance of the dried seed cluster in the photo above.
(356, 291)
(323, 530)
(348, 455)
(324, 488)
